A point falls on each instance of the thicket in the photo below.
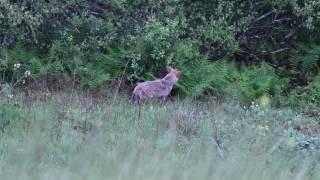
(249, 50)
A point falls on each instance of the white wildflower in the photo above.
(23, 81)
(27, 73)
(10, 96)
(16, 66)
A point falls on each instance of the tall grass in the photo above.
(63, 139)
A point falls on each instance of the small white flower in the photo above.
(23, 81)
(27, 73)
(16, 66)
(10, 96)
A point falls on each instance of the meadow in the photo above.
(67, 136)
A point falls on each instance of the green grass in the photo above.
(75, 139)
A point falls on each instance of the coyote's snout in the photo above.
(158, 89)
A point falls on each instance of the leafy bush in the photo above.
(154, 47)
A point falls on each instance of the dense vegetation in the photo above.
(243, 49)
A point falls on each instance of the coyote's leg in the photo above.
(163, 99)
(140, 106)
(139, 110)
(136, 100)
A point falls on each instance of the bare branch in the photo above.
(263, 16)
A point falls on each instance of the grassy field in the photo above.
(67, 137)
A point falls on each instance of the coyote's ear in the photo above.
(169, 69)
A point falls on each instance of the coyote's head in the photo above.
(173, 74)
(174, 71)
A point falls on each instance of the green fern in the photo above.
(55, 68)
(254, 82)
(308, 56)
(302, 96)
(206, 77)
(27, 58)
(102, 68)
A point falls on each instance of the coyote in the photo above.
(158, 89)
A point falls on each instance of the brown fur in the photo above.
(158, 89)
